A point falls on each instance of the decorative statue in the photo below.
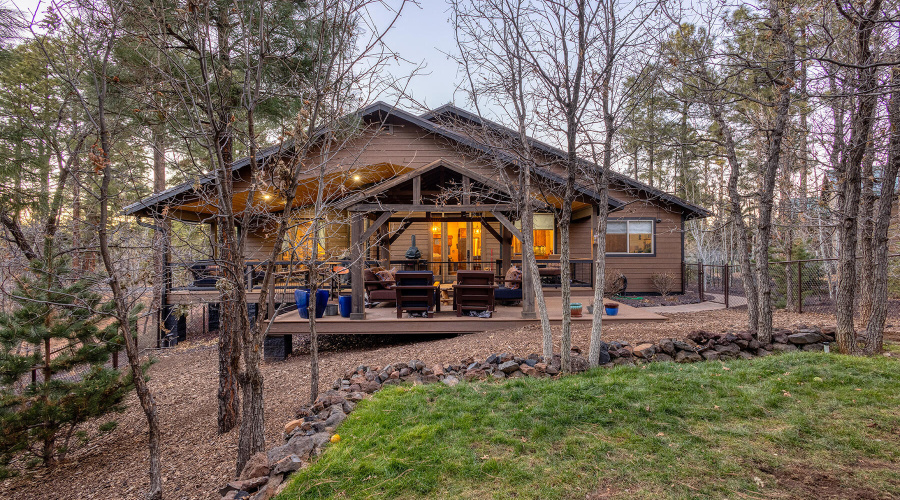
(413, 253)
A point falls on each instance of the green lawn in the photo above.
(798, 425)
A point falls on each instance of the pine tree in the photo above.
(59, 329)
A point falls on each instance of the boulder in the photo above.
(286, 465)
(336, 417)
(236, 495)
(729, 348)
(687, 357)
(438, 370)
(744, 355)
(529, 370)
(257, 465)
(710, 355)
(492, 359)
(644, 351)
(516, 374)
(498, 375)
(298, 445)
(663, 357)
(604, 357)
(509, 367)
(667, 346)
(290, 426)
(580, 364)
(450, 380)
(682, 345)
(778, 346)
(541, 367)
(814, 347)
(762, 352)
(370, 387)
(552, 370)
(805, 337)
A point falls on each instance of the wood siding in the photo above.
(409, 147)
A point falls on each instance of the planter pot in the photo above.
(301, 297)
(611, 309)
(575, 309)
(344, 303)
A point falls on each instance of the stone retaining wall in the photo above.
(314, 427)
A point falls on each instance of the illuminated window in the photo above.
(632, 236)
(543, 236)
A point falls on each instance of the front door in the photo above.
(453, 248)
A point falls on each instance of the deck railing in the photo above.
(203, 275)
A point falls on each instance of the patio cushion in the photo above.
(507, 294)
(512, 276)
(385, 276)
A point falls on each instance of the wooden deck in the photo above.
(383, 320)
(212, 296)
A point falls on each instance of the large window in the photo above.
(629, 236)
(543, 236)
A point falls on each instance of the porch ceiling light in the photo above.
(356, 178)
(267, 196)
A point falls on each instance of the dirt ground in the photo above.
(196, 461)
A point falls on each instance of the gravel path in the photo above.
(196, 460)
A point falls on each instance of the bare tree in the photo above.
(492, 57)
(95, 28)
(849, 168)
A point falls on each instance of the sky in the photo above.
(422, 35)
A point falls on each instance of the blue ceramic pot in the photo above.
(344, 303)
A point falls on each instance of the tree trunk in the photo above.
(769, 175)
(866, 264)
(748, 272)
(849, 175)
(596, 340)
(160, 233)
(874, 334)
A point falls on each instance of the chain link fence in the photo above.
(797, 285)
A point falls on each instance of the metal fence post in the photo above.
(700, 279)
(800, 287)
(726, 285)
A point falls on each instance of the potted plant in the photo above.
(611, 308)
(575, 309)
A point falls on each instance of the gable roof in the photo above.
(691, 210)
(428, 122)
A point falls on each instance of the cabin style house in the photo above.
(438, 192)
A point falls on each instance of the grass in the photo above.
(790, 426)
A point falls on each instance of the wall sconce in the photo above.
(434, 229)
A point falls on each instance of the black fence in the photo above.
(803, 286)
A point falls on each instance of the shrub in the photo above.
(613, 282)
(664, 283)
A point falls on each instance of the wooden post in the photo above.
(799, 287)
(505, 251)
(417, 190)
(527, 292)
(357, 287)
